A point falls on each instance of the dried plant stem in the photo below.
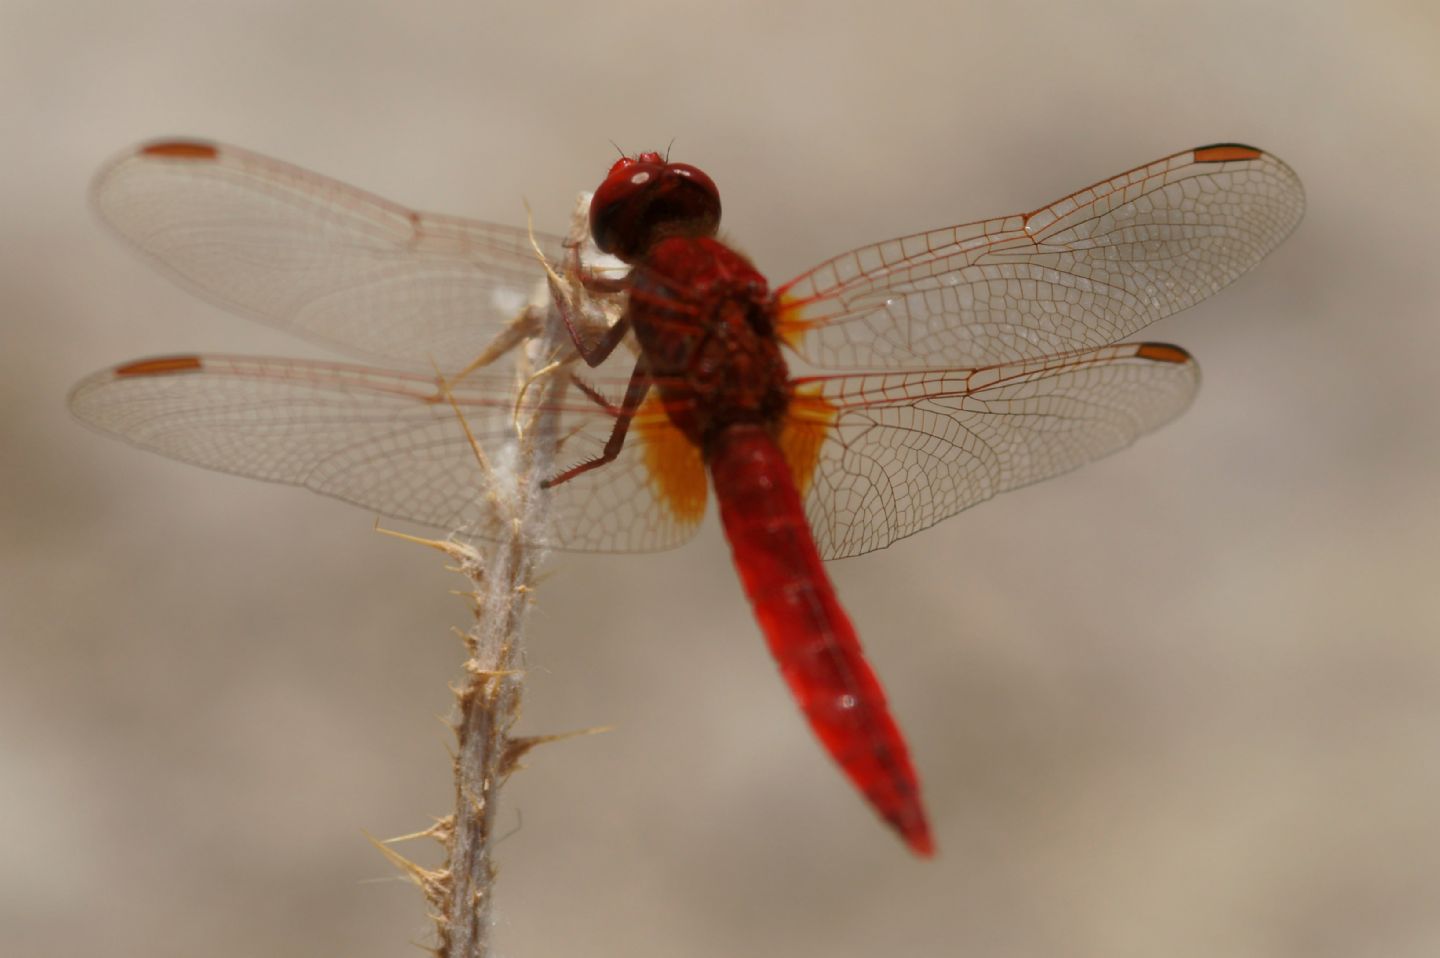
(489, 700)
(502, 574)
(489, 705)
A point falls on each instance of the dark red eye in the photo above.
(644, 199)
(625, 162)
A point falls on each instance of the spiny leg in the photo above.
(640, 382)
(594, 353)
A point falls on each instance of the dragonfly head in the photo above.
(645, 199)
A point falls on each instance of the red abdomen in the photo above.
(809, 633)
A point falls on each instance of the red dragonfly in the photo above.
(977, 358)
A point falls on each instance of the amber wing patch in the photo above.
(790, 326)
(676, 471)
(807, 424)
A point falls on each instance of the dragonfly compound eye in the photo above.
(644, 200)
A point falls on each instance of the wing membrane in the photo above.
(322, 259)
(387, 441)
(1083, 272)
(905, 450)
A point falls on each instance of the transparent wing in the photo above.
(1083, 272)
(322, 259)
(903, 450)
(389, 442)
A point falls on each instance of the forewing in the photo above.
(901, 451)
(1083, 272)
(322, 259)
(391, 442)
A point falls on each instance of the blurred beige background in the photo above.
(1184, 702)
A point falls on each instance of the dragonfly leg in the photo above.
(597, 352)
(594, 395)
(563, 292)
(592, 280)
(634, 396)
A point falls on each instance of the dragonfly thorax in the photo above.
(705, 320)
